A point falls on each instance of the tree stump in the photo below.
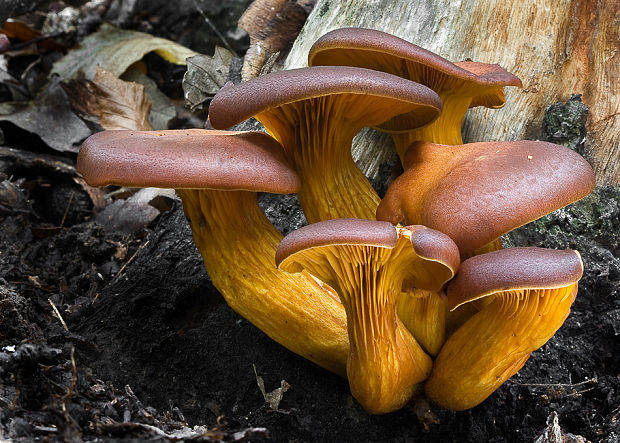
(557, 47)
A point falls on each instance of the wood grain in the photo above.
(557, 48)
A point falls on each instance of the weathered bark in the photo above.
(557, 48)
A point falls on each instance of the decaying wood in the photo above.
(557, 47)
(272, 26)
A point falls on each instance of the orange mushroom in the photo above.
(475, 193)
(368, 263)
(533, 290)
(217, 174)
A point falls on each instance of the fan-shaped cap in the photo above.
(342, 231)
(236, 103)
(187, 159)
(476, 192)
(374, 49)
(429, 244)
(513, 269)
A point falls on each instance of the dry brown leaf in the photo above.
(205, 76)
(272, 26)
(117, 104)
(115, 50)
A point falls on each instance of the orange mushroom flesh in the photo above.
(459, 85)
(424, 313)
(315, 113)
(217, 175)
(477, 192)
(533, 290)
(368, 263)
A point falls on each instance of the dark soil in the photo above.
(151, 321)
(151, 352)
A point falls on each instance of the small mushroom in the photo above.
(217, 174)
(315, 113)
(477, 192)
(368, 263)
(459, 85)
(532, 291)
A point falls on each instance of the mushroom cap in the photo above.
(430, 245)
(342, 231)
(236, 103)
(511, 270)
(374, 49)
(187, 159)
(476, 192)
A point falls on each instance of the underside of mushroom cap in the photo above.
(187, 159)
(429, 245)
(513, 269)
(476, 192)
(236, 103)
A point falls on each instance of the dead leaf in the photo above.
(117, 104)
(50, 117)
(134, 214)
(163, 110)
(274, 397)
(272, 26)
(114, 50)
(97, 195)
(18, 30)
(205, 76)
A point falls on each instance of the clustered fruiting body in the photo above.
(435, 306)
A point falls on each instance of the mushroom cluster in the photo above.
(407, 295)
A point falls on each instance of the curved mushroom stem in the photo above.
(424, 314)
(386, 363)
(318, 143)
(495, 343)
(238, 245)
(445, 130)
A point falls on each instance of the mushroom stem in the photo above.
(446, 130)
(231, 231)
(385, 363)
(320, 150)
(494, 345)
(424, 314)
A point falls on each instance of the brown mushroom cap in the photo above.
(476, 192)
(513, 269)
(430, 245)
(234, 104)
(187, 159)
(349, 231)
(369, 48)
